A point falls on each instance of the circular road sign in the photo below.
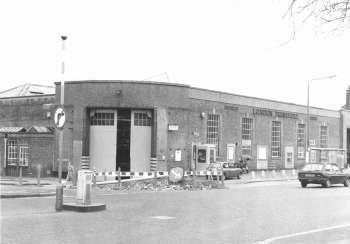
(60, 118)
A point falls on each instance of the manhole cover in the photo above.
(163, 217)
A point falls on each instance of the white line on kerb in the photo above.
(276, 238)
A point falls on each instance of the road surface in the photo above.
(278, 212)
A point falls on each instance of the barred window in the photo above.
(276, 139)
(301, 141)
(12, 152)
(102, 119)
(247, 134)
(24, 154)
(324, 140)
(213, 130)
(324, 136)
(142, 119)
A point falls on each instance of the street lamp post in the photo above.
(307, 158)
(60, 138)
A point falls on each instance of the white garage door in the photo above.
(103, 140)
(140, 140)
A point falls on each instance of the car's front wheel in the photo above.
(327, 183)
(303, 184)
(347, 183)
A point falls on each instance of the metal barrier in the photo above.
(148, 175)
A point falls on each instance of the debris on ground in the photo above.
(162, 184)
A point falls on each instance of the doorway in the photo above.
(123, 139)
(348, 146)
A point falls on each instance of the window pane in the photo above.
(213, 130)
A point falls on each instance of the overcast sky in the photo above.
(225, 45)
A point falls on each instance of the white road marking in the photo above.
(276, 238)
(163, 217)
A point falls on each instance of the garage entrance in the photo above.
(120, 138)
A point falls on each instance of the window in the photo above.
(12, 152)
(213, 130)
(247, 132)
(276, 139)
(24, 154)
(301, 141)
(101, 119)
(324, 140)
(142, 119)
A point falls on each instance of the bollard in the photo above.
(38, 173)
(253, 174)
(263, 173)
(105, 175)
(20, 175)
(87, 195)
(222, 178)
(283, 172)
(94, 178)
(119, 178)
(59, 198)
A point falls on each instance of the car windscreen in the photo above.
(313, 167)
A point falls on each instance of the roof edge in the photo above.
(124, 81)
(265, 99)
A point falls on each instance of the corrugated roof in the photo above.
(28, 90)
(12, 129)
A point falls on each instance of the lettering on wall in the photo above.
(272, 113)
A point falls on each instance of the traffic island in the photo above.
(84, 207)
(83, 199)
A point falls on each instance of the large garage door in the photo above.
(140, 140)
(103, 140)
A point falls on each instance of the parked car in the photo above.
(231, 171)
(324, 174)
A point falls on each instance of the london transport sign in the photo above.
(60, 118)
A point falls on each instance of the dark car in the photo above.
(324, 174)
(231, 171)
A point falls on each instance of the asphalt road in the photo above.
(278, 212)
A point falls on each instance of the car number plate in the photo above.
(309, 175)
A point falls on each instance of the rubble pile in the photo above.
(162, 184)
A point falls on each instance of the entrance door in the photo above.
(103, 141)
(261, 157)
(348, 145)
(231, 153)
(140, 140)
(289, 157)
(123, 140)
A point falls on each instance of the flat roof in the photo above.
(144, 82)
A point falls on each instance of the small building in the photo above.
(27, 136)
(139, 126)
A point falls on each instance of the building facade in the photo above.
(139, 126)
(27, 135)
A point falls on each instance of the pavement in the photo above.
(10, 187)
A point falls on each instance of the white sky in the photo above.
(225, 45)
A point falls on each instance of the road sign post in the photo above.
(60, 120)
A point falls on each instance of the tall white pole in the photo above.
(60, 138)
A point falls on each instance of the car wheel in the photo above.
(327, 183)
(238, 176)
(303, 184)
(347, 183)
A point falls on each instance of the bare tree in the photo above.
(333, 14)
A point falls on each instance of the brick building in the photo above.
(26, 130)
(129, 123)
